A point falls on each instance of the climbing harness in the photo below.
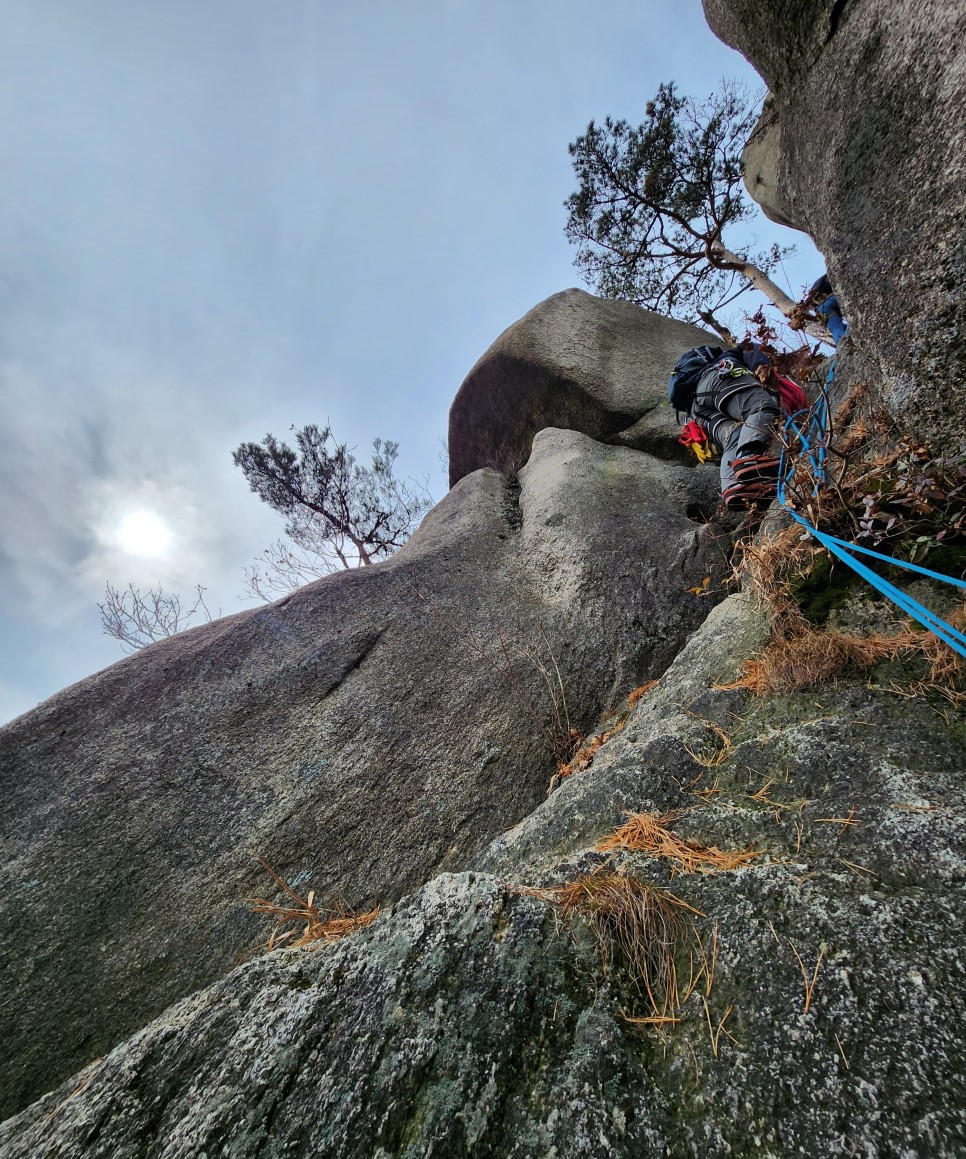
(811, 429)
(728, 368)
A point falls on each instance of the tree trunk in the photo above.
(726, 259)
(722, 330)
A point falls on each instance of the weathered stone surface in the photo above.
(667, 720)
(469, 1022)
(870, 98)
(761, 158)
(464, 1023)
(588, 364)
(350, 733)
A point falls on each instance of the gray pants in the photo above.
(738, 414)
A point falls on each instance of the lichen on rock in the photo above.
(359, 731)
(472, 1020)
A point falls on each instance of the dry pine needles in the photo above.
(651, 833)
(583, 758)
(805, 658)
(646, 925)
(801, 656)
(317, 926)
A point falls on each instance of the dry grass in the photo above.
(849, 405)
(641, 691)
(799, 655)
(649, 928)
(651, 833)
(583, 758)
(316, 925)
(654, 931)
(643, 923)
(715, 1032)
(809, 981)
(772, 565)
(803, 657)
(720, 755)
(947, 669)
(843, 822)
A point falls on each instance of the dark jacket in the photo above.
(732, 371)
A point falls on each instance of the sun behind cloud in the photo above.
(144, 533)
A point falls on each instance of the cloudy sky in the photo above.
(220, 218)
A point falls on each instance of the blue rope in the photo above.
(811, 429)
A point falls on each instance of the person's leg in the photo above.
(747, 474)
(728, 441)
(830, 312)
(755, 413)
(742, 422)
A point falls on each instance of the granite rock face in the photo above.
(870, 109)
(363, 735)
(472, 1020)
(761, 158)
(462, 1024)
(575, 361)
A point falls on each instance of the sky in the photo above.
(223, 218)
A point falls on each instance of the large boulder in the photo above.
(363, 734)
(870, 115)
(761, 159)
(471, 1020)
(576, 361)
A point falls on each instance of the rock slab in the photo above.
(869, 103)
(364, 734)
(576, 361)
(472, 1020)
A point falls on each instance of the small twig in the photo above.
(809, 983)
(716, 1032)
(76, 1091)
(845, 822)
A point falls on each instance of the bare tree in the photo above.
(287, 565)
(136, 618)
(650, 215)
(340, 513)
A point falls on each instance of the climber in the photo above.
(724, 393)
(826, 304)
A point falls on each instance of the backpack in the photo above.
(684, 378)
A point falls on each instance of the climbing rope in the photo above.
(811, 429)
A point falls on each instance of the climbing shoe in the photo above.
(741, 496)
(755, 468)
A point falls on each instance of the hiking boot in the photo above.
(756, 468)
(741, 496)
